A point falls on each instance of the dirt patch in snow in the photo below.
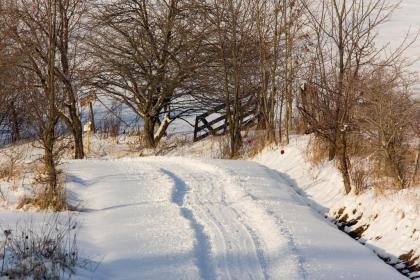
(407, 263)
(411, 259)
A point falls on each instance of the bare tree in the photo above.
(70, 35)
(33, 27)
(269, 29)
(147, 52)
(344, 35)
(294, 30)
(280, 30)
(10, 115)
(233, 49)
(4, 76)
(387, 116)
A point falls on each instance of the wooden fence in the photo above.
(219, 125)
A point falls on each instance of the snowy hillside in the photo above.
(387, 222)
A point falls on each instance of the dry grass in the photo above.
(380, 175)
(414, 159)
(368, 167)
(317, 151)
(12, 162)
(110, 124)
(48, 251)
(137, 146)
(383, 176)
(223, 146)
(300, 126)
(357, 146)
(253, 143)
(45, 198)
(168, 144)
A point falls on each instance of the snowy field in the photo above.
(178, 218)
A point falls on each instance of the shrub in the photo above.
(359, 179)
(11, 166)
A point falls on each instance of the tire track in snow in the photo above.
(252, 232)
(283, 226)
(259, 248)
(202, 247)
(246, 241)
(291, 241)
(248, 201)
(212, 213)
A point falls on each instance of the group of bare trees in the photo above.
(353, 91)
(145, 54)
(299, 62)
(43, 55)
(254, 49)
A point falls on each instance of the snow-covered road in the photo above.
(177, 218)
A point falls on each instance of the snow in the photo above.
(185, 218)
(175, 217)
(178, 218)
(321, 186)
(391, 218)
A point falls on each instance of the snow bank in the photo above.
(387, 223)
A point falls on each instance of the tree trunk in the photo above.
(162, 127)
(74, 123)
(397, 169)
(15, 125)
(345, 174)
(77, 130)
(149, 133)
(49, 162)
(271, 136)
(416, 167)
(49, 133)
(78, 141)
(344, 163)
(331, 151)
(288, 121)
(281, 119)
(92, 117)
(235, 143)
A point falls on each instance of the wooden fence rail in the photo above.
(220, 124)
